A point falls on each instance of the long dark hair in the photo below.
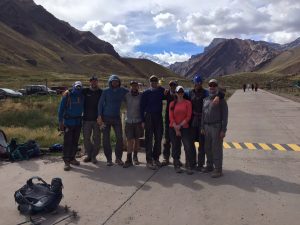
(175, 102)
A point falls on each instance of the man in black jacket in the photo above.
(90, 127)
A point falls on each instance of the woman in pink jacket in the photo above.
(180, 113)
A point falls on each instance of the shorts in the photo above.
(134, 130)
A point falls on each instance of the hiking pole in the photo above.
(32, 221)
(73, 215)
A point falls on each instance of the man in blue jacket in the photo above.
(151, 114)
(70, 116)
(109, 116)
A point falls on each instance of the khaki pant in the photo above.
(91, 138)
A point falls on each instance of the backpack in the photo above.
(26, 151)
(33, 198)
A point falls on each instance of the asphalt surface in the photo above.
(258, 187)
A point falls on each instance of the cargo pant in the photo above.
(167, 142)
(116, 123)
(91, 138)
(71, 138)
(213, 145)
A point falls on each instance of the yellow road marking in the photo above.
(294, 147)
(250, 146)
(279, 147)
(265, 147)
(225, 145)
(237, 145)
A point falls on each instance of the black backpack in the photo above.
(39, 197)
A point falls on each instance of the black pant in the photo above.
(153, 128)
(167, 142)
(197, 136)
(116, 123)
(71, 138)
(188, 145)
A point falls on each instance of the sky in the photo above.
(173, 30)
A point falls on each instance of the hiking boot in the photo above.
(75, 162)
(180, 163)
(165, 162)
(189, 171)
(67, 166)
(119, 162)
(127, 164)
(157, 163)
(136, 160)
(199, 168)
(94, 161)
(217, 173)
(207, 169)
(87, 159)
(150, 166)
(109, 163)
(178, 169)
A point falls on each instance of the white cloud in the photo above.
(119, 36)
(171, 57)
(163, 19)
(281, 37)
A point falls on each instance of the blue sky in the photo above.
(173, 30)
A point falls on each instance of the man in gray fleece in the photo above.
(214, 127)
(133, 126)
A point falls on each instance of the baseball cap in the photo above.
(153, 78)
(178, 88)
(173, 83)
(213, 81)
(93, 78)
(77, 84)
(133, 82)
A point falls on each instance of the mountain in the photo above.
(31, 37)
(227, 56)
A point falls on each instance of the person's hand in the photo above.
(61, 126)
(216, 100)
(99, 121)
(222, 134)
(166, 92)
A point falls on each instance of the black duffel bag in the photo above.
(39, 197)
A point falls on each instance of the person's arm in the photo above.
(224, 113)
(143, 105)
(61, 111)
(163, 93)
(100, 108)
(171, 114)
(221, 94)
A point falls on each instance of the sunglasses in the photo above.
(180, 92)
(173, 85)
(78, 87)
(212, 85)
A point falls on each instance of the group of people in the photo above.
(253, 86)
(191, 115)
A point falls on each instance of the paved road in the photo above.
(259, 187)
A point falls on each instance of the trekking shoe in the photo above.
(119, 162)
(127, 164)
(67, 166)
(157, 163)
(165, 162)
(87, 159)
(109, 163)
(178, 169)
(94, 161)
(180, 163)
(189, 171)
(199, 168)
(75, 162)
(216, 173)
(150, 166)
(207, 169)
(136, 160)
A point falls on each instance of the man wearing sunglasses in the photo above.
(214, 127)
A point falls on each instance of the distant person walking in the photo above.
(70, 118)
(170, 96)
(248, 87)
(256, 86)
(180, 113)
(109, 116)
(91, 129)
(244, 87)
(252, 87)
(133, 126)
(151, 114)
(214, 127)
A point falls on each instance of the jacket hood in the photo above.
(113, 77)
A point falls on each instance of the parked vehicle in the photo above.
(38, 90)
(59, 89)
(6, 93)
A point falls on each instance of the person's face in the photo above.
(134, 87)
(172, 87)
(115, 83)
(213, 87)
(94, 84)
(198, 86)
(154, 84)
(180, 93)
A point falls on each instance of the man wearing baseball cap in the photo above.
(90, 128)
(70, 117)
